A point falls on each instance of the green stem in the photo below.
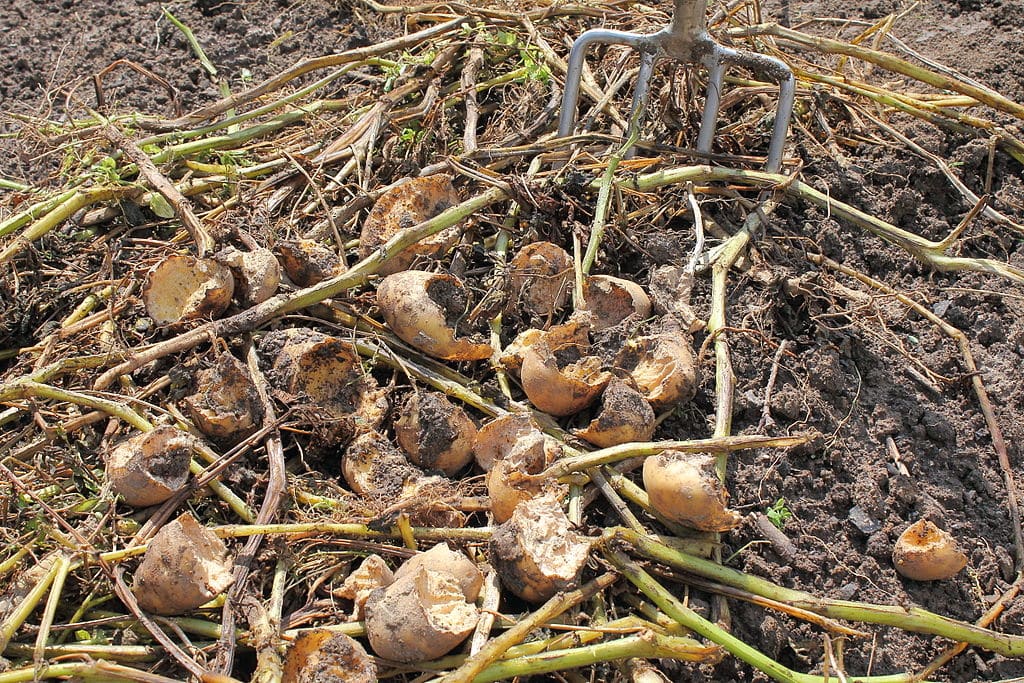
(359, 530)
(99, 671)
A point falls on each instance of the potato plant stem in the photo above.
(473, 535)
(908, 618)
(99, 671)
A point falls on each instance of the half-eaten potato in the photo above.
(610, 300)
(625, 416)
(435, 433)
(662, 366)
(496, 439)
(443, 559)
(226, 404)
(182, 288)
(423, 615)
(541, 276)
(148, 468)
(535, 552)
(685, 488)
(924, 552)
(558, 375)
(371, 574)
(322, 656)
(257, 273)
(307, 262)
(185, 566)
(426, 310)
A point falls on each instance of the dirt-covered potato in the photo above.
(426, 310)
(322, 656)
(307, 262)
(558, 374)
(225, 404)
(685, 488)
(323, 376)
(924, 552)
(423, 615)
(610, 300)
(510, 480)
(624, 416)
(404, 206)
(496, 439)
(257, 273)
(182, 288)
(371, 574)
(662, 366)
(185, 566)
(435, 433)
(540, 277)
(443, 559)
(148, 468)
(373, 466)
(535, 552)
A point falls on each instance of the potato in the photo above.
(150, 467)
(685, 488)
(557, 374)
(444, 560)
(610, 300)
(625, 416)
(496, 439)
(371, 574)
(307, 262)
(257, 274)
(662, 366)
(541, 277)
(185, 566)
(373, 466)
(182, 288)
(425, 309)
(435, 433)
(535, 553)
(405, 206)
(924, 552)
(423, 615)
(322, 656)
(226, 404)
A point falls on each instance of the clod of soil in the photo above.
(924, 552)
(662, 366)
(185, 566)
(558, 375)
(403, 207)
(624, 416)
(541, 276)
(322, 656)
(444, 560)
(150, 467)
(371, 574)
(507, 433)
(610, 300)
(685, 488)
(182, 288)
(323, 375)
(307, 262)
(226, 404)
(257, 273)
(425, 310)
(421, 616)
(435, 433)
(535, 552)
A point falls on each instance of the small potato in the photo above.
(150, 467)
(924, 552)
(182, 288)
(535, 552)
(610, 300)
(322, 656)
(425, 310)
(497, 438)
(423, 615)
(257, 273)
(624, 417)
(307, 262)
(435, 433)
(662, 366)
(405, 206)
(557, 374)
(185, 566)
(373, 466)
(444, 560)
(685, 488)
(226, 404)
(541, 276)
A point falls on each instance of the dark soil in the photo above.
(860, 368)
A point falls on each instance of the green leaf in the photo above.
(160, 206)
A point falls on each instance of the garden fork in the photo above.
(685, 40)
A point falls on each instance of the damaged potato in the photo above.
(185, 566)
(425, 310)
(558, 375)
(685, 488)
(610, 300)
(535, 552)
(511, 480)
(541, 276)
(322, 656)
(226, 404)
(372, 465)
(624, 416)
(256, 273)
(496, 439)
(662, 366)
(422, 615)
(443, 559)
(924, 552)
(435, 433)
(182, 288)
(372, 573)
(150, 467)
(307, 262)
